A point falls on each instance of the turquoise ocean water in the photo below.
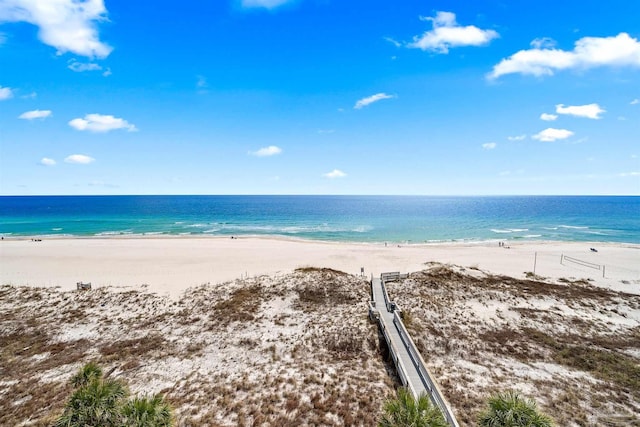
(335, 218)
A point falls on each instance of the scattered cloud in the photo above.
(551, 134)
(590, 111)
(271, 150)
(548, 117)
(489, 145)
(543, 43)
(447, 33)
(265, 4)
(393, 41)
(45, 161)
(201, 83)
(79, 159)
(67, 25)
(589, 52)
(336, 173)
(580, 141)
(629, 174)
(107, 72)
(35, 114)
(3, 38)
(101, 123)
(31, 95)
(5, 93)
(635, 101)
(80, 67)
(326, 131)
(517, 138)
(371, 99)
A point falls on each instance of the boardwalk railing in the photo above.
(390, 277)
(426, 382)
(397, 361)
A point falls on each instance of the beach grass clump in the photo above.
(241, 306)
(610, 366)
(345, 344)
(324, 271)
(135, 347)
(320, 288)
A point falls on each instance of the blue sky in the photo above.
(319, 97)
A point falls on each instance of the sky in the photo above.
(490, 97)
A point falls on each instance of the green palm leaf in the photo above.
(509, 409)
(405, 411)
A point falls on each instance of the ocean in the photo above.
(407, 219)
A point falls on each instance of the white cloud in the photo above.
(5, 93)
(79, 159)
(590, 111)
(548, 117)
(489, 145)
(336, 173)
(45, 161)
(635, 101)
(31, 95)
(107, 72)
(551, 134)
(35, 114)
(79, 67)
(517, 138)
(393, 41)
(543, 43)
(3, 38)
(101, 123)
(67, 25)
(271, 150)
(371, 99)
(589, 52)
(629, 174)
(266, 4)
(446, 33)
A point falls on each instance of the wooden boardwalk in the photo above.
(409, 363)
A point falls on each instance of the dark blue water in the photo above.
(336, 218)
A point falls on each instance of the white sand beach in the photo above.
(169, 265)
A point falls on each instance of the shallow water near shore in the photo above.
(414, 219)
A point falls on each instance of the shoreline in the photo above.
(171, 265)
